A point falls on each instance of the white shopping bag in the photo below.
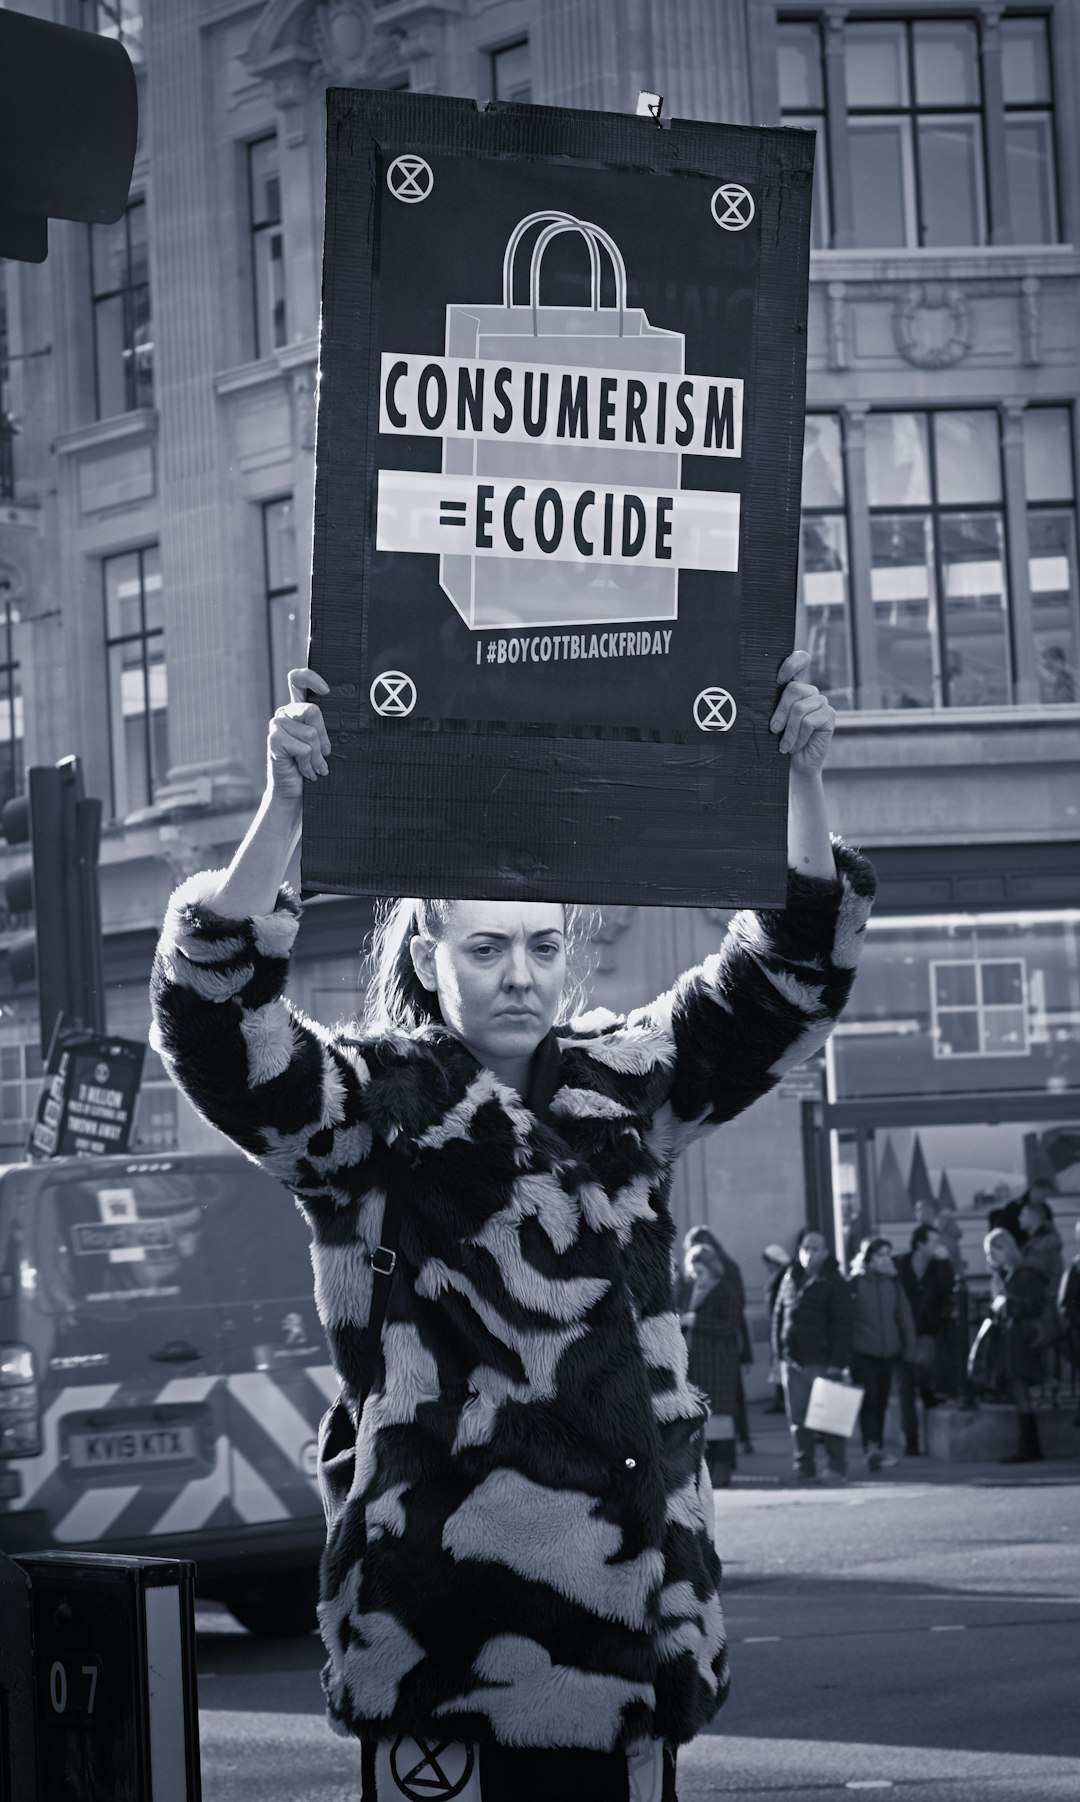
(833, 1407)
(505, 592)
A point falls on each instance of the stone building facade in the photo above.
(155, 522)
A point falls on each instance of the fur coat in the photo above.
(524, 1554)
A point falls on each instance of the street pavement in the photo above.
(917, 1631)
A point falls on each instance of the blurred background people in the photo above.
(927, 1277)
(1068, 1303)
(776, 1260)
(1018, 1297)
(746, 1348)
(812, 1328)
(707, 1298)
(883, 1335)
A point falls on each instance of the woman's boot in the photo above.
(1029, 1450)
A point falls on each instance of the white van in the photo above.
(163, 1372)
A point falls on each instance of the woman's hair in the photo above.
(396, 998)
(867, 1250)
(1000, 1240)
(922, 1234)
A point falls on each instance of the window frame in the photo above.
(795, 117)
(935, 508)
(1048, 107)
(913, 112)
(256, 228)
(495, 51)
(841, 512)
(154, 777)
(272, 593)
(11, 697)
(1071, 507)
(125, 294)
(981, 1007)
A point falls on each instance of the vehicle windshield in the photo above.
(120, 1240)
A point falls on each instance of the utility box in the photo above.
(18, 1782)
(114, 1687)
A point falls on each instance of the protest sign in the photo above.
(562, 376)
(88, 1095)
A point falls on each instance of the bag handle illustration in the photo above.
(594, 235)
(544, 218)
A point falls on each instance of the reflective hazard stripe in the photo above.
(325, 1377)
(253, 1499)
(275, 1413)
(196, 1502)
(36, 1471)
(94, 1513)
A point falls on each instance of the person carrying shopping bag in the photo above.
(519, 1560)
(884, 1336)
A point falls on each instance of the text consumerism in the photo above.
(493, 510)
(533, 403)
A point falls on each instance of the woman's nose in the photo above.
(518, 975)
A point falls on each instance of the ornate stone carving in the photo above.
(341, 37)
(932, 324)
(1031, 319)
(303, 390)
(837, 324)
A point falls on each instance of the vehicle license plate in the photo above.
(172, 1443)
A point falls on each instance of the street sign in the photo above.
(562, 376)
(88, 1096)
(115, 1706)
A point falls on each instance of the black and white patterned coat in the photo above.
(525, 1553)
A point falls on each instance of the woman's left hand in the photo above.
(804, 721)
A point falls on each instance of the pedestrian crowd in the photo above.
(890, 1320)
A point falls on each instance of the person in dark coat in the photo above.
(707, 1297)
(746, 1345)
(884, 1337)
(928, 1280)
(812, 1335)
(1018, 1299)
(776, 1260)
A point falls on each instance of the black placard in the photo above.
(88, 1096)
(562, 377)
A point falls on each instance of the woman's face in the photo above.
(498, 970)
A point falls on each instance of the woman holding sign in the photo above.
(519, 1585)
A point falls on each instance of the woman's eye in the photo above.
(546, 950)
(484, 951)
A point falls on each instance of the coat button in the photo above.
(630, 1463)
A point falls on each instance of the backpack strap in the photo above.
(383, 1261)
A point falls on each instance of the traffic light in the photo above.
(60, 887)
(69, 116)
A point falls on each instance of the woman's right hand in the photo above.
(297, 745)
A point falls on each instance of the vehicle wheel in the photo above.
(280, 1606)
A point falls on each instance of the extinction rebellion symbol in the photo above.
(410, 178)
(393, 694)
(431, 1773)
(714, 710)
(733, 207)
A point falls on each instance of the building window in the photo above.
(21, 1071)
(824, 559)
(120, 19)
(286, 628)
(979, 1009)
(267, 245)
(937, 577)
(802, 105)
(934, 588)
(11, 708)
(1029, 130)
(1055, 590)
(915, 132)
(912, 153)
(123, 343)
(137, 688)
(511, 78)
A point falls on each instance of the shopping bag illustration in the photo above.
(498, 591)
(833, 1407)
